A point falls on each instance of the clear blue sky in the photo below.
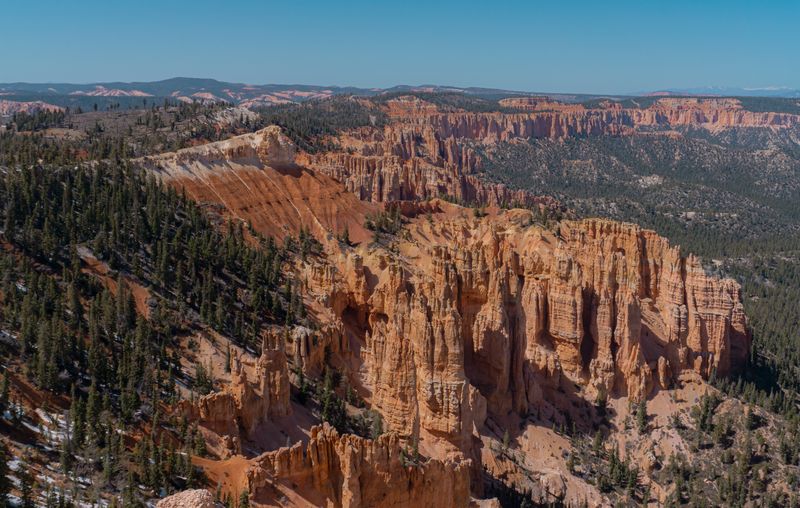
(601, 46)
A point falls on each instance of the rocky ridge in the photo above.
(352, 472)
(255, 178)
(8, 108)
(425, 151)
(198, 498)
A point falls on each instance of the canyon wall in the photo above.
(457, 320)
(229, 416)
(466, 316)
(352, 472)
(470, 317)
(390, 178)
(707, 113)
(424, 152)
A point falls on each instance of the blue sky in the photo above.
(582, 46)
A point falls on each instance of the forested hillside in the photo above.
(103, 271)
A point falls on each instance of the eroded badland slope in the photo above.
(473, 335)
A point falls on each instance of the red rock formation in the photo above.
(459, 318)
(484, 316)
(708, 113)
(541, 103)
(259, 179)
(392, 178)
(425, 152)
(256, 180)
(235, 413)
(351, 472)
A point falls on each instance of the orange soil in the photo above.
(100, 270)
(279, 203)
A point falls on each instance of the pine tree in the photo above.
(302, 387)
(5, 481)
(108, 465)
(333, 408)
(78, 414)
(749, 420)
(597, 443)
(26, 485)
(65, 456)
(199, 443)
(74, 306)
(4, 390)
(641, 416)
(376, 430)
(93, 409)
(44, 359)
(220, 315)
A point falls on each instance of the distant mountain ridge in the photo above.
(138, 94)
(728, 91)
(184, 89)
(188, 86)
(248, 95)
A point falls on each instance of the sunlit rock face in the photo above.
(475, 316)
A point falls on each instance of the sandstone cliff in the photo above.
(229, 416)
(259, 178)
(468, 317)
(707, 113)
(351, 472)
(254, 178)
(392, 178)
(426, 152)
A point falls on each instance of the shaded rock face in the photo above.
(352, 472)
(486, 316)
(230, 415)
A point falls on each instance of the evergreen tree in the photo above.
(26, 483)
(597, 443)
(641, 416)
(5, 481)
(4, 390)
